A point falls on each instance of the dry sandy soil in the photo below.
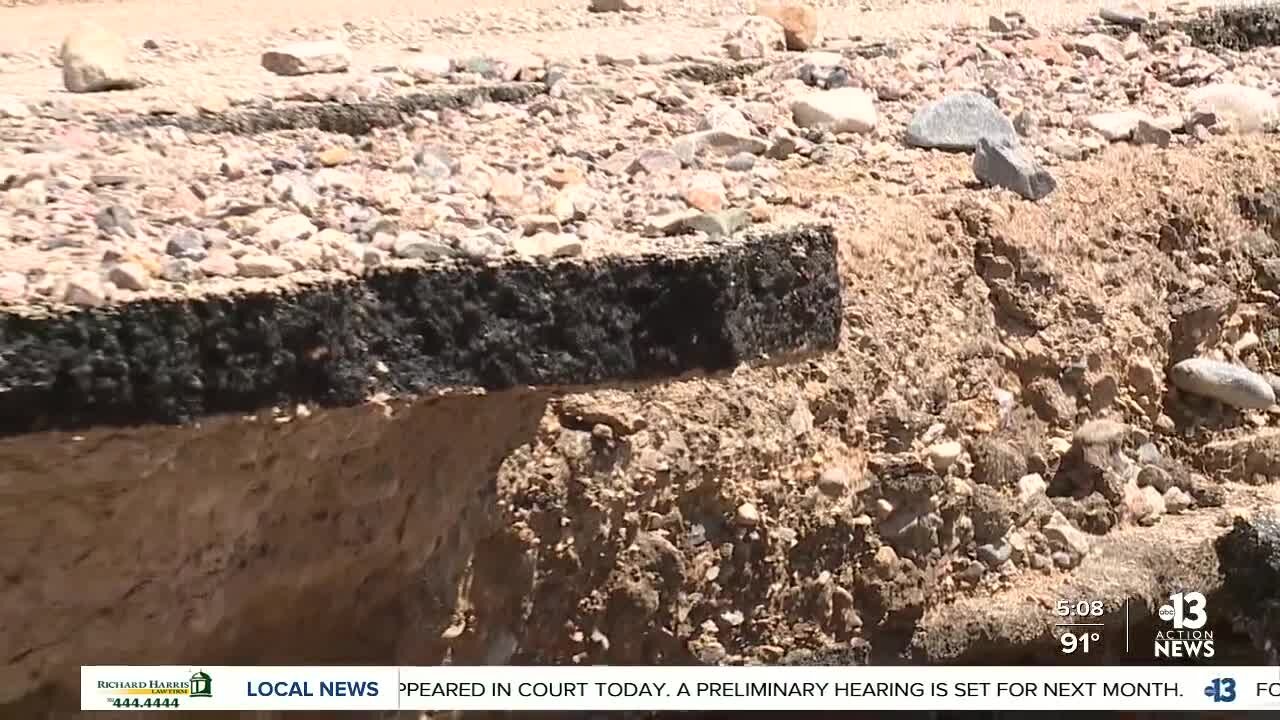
(870, 500)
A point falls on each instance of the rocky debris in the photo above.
(1009, 166)
(1239, 108)
(604, 6)
(799, 22)
(95, 59)
(308, 58)
(1225, 382)
(844, 110)
(957, 121)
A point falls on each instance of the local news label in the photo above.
(1128, 688)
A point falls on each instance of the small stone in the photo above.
(672, 223)
(1064, 536)
(833, 482)
(656, 162)
(180, 271)
(747, 515)
(727, 118)
(1227, 383)
(688, 148)
(13, 286)
(95, 59)
(86, 288)
(656, 56)
(799, 22)
(1145, 505)
(562, 174)
(838, 111)
(754, 37)
(1064, 560)
(1243, 109)
(333, 156)
(944, 454)
(1133, 46)
(1102, 46)
(308, 58)
(548, 244)
(886, 560)
(260, 265)
(602, 6)
(997, 23)
(507, 191)
(130, 276)
(609, 58)
(1010, 167)
(957, 121)
(1177, 501)
(412, 245)
(704, 191)
(1031, 486)
(883, 508)
(213, 104)
(993, 555)
(720, 224)
(286, 229)
(115, 220)
(1154, 476)
(427, 68)
(219, 264)
(533, 224)
(13, 108)
(1142, 376)
(1129, 14)
(1115, 126)
(742, 162)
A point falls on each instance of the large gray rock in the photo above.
(1009, 166)
(95, 59)
(1231, 384)
(957, 121)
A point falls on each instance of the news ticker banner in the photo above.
(244, 688)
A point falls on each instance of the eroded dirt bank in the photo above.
(785, 511)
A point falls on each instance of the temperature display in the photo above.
(1073, 642)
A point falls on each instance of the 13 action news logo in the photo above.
(1221, 690)
(1186, 612)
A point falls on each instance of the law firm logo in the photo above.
(166, 692)
(1186, 638)
(201, 685)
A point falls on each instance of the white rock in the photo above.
(307, 58)
(1116, 126)
(1030, 486)
(263, 266)
(13, 108)
(1231, 384)
(13, 286)
(130, 276)
(944, 454)
(86, 288)
(839, 110)
(1245, 109)
(427, 68)
(95, 59)
(754, 37)
(1176, 500)
(1062, 535)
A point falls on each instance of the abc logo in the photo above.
(1166, 613)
